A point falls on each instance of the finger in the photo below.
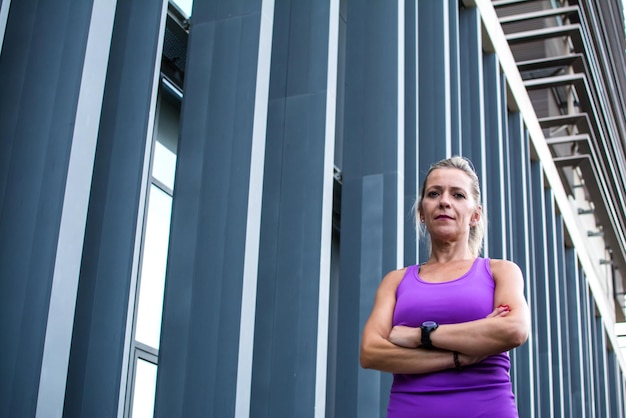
(501, 310)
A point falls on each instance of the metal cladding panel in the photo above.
(519, 212)
(411, 185)
(577, 373)
(541, 303)
(553, 286)
(599, 367)
(286, 318)
(94, 385)
(455, 24)
(41, 65)
(433, 72)
(370, 197)
(494, 109)
(565, 308)
(290, 266)
(616, 406)
(472, 135)
(587, 312)
(198, 356)
(438, 134)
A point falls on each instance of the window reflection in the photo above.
(164, 160)
(164, 167)
(153, 266)
(144, 390)
(184, 6)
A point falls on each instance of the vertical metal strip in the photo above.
(4, 15)
(447, 78)
(128, 355)
(253, 221)
(56, 352)
(401, 137)
(321, 362)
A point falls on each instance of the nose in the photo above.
(444, 201)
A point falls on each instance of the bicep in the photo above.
(380, 321)
(509, 287)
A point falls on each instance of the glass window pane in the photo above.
(164, 166)
(164, 162)
(144, 389)
(184, 6)
(154, 261)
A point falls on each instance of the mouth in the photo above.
(443, 217)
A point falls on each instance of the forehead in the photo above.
(449, 177)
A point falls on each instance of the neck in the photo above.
(445, 252)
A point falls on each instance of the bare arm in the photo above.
(507, 327)
(377, 352)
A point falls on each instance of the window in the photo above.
(154, 247)
(145, 387)
(184, 6)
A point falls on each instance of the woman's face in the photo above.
(448, 207)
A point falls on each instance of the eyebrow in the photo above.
(453, 188)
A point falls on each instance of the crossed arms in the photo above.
(397, 349)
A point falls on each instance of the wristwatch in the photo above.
(428, 327)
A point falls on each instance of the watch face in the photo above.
(427, 328)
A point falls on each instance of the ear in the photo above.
(476, 216)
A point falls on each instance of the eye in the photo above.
(459, 195)
(433, 194)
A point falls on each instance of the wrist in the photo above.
(426, 329)
(457, 363)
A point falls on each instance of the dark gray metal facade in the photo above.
(371, 196)
(305, 131)
(210, 230)
(108, 261)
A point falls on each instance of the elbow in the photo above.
(368, 355)
(365, 363)
(519, 338)
(517, 335)
(365, 359)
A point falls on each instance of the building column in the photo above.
(411, 157)
(291, 318)
(99, 353)
(494, 178)
(211, 280)
(434, 73)
(518, 222)
(471, 97)
(53, 70)
(372, 207)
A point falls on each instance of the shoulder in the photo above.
(504, 268)
(392, 280)
(499, 264)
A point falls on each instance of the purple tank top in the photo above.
(480, 390)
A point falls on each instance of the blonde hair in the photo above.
(477, 232)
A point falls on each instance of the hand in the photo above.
(404, 336)
(500, 311)
(466, 360)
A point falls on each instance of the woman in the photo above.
(444, 327)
